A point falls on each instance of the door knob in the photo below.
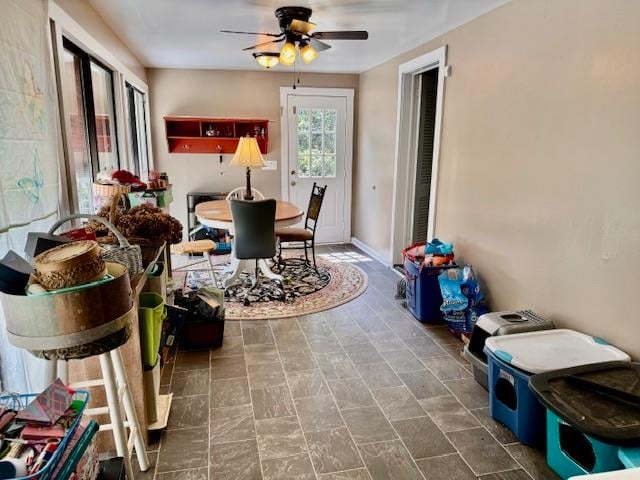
(293, 183)
(293, 172)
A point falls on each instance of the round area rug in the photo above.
(304, 292)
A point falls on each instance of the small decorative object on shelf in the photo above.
(213, 135)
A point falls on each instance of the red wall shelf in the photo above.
(189, 134)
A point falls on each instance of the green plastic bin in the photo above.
(151, 313)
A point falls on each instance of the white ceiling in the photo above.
(186, 33)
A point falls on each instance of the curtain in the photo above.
(29, 177)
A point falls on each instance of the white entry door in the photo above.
(317, 148)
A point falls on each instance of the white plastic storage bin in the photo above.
(629, 474)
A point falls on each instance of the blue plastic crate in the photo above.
(423, 291)
(512, 403)
(46, 472)
(222, 248)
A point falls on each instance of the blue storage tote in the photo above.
(423, 291)
(513, 358)
(590, 427)
(511, 402)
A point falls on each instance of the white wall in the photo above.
(539, 159)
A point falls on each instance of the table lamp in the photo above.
(248, 155)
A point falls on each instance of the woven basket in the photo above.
(126, 254)
(109, 191)
(115, 202)
(69, 265)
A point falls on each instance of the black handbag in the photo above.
(198, 318)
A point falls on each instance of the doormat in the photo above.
(305, 290)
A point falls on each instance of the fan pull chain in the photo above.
(294, 75)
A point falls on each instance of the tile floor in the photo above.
(360, 392)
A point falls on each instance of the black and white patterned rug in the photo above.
(299, 279)
(303, 291)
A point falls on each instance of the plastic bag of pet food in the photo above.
(438, 247)
(462, 299)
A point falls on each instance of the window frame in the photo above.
(135, 162)
(88, 102)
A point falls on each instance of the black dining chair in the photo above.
(306, 235)
(254, 236)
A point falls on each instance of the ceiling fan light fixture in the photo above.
(307, 52)
(267, 59)
(288, 53)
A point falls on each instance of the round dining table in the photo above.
(217, 214)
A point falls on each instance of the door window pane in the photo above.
(102, 85)
(330, 120)
(330, 166)
(79, 153)
(303, 165)
(317, 142)
(316, 120)
(303, 119)
(316, 165)
(303, 143)
(330, 143)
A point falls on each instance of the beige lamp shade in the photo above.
(248, 154)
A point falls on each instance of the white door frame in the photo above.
(347, 93)
(407, 147)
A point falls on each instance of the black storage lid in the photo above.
(594, 414)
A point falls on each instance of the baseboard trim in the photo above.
(373, 253)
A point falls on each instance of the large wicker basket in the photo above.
(126, 254)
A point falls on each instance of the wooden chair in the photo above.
(306, 235)
(206, 247)
(238, 194)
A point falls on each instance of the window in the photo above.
(79, 153)
(105, 119)
(317, 142)
(138, 129)
(88, 93)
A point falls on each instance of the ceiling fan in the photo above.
(296, 31)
